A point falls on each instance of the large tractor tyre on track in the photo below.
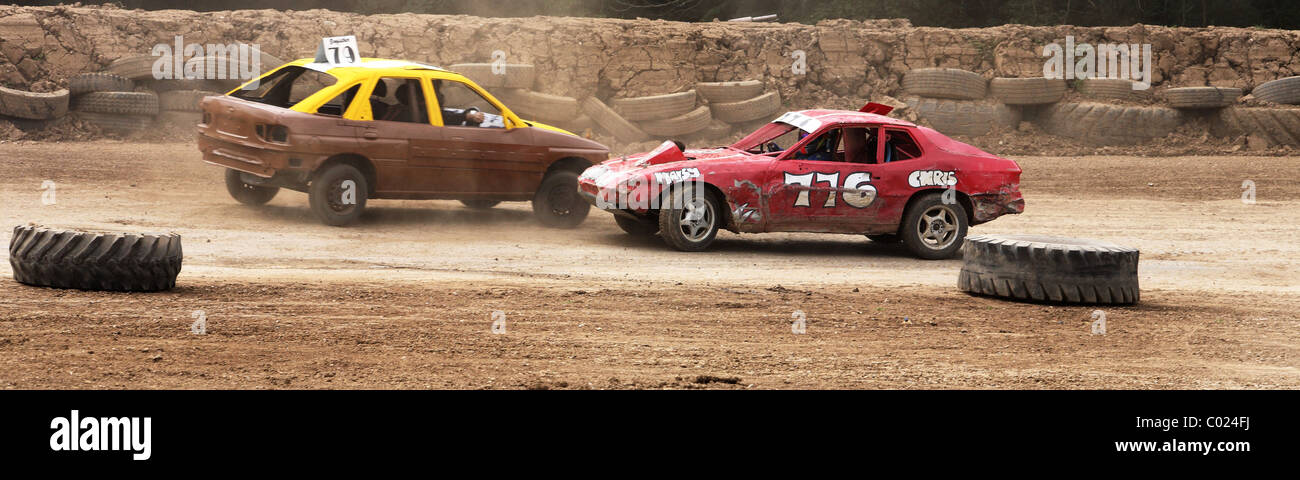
(1027, 91)
(1202, 97)
(33, 105)
(729, 92)
(245, 193)
(688, 221)
(124, 103)
(338, 194)
(640, 228)
(654, 107)
(1283, 90)
(99, 82)
(949, 83)
(1044, 268)
(125, 262)
(933, 229)
(557, 203)
(965, 117)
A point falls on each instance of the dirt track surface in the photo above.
(404, 300)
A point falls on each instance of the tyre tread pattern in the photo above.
(951, 83)
(762, 107)
(1047, 271)
(1202, 97)
(655, 107)
(126, 262)
(1027, 91)
(125, 103)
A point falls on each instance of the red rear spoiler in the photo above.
(876, 108)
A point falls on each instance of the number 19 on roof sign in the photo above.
(338, 51)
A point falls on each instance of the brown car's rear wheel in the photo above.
(338, 194)
(557, 203)
(245, 193)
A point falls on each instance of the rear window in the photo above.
(287, 86)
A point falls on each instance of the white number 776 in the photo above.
(857, 189)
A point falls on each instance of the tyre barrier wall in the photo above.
(642, 70)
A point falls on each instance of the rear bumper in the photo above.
(994, 205)
(255, 160)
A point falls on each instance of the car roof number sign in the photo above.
(338, 51)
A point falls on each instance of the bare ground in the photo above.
(404, 300)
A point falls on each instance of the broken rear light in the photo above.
(273, 133)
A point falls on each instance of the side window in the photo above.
(307, 83)
(858, 146)
(900, 146)
(339, 104)
(399, 100)
(825, 147)
(287, 86)
(459, 103)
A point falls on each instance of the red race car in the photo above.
(824, 171)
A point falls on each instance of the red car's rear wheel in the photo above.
(933, 229)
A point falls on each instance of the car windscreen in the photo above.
(769, 133)
(287, 86)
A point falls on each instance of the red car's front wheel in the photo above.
(689, 221)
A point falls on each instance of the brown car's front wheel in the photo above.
(338, 194)
(557, 203)
(245, 193)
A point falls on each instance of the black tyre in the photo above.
(689, 221)
(338, 194)
(98, 82)
(245, 193)
(1041, 268)
(633, 226)
(933, 229)
(557, 203)
(124, 103)
(885, 238)
(126, 262)
(479, 204)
